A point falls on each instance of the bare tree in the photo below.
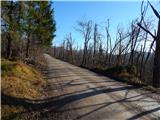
(156, 67)
(95, 43)
(119, 57)
(100, 54)
(69, 48)
(109, 46)
(96, 40)
(85, 29)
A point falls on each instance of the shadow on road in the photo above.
(145, 113)
(55, 104)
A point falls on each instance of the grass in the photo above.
(125, 74)
(20, 81)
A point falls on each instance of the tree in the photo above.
(69, 48)
(85, 29)
(156, 67)
(45, 23)
(9, 25)
(26, 24)
(96, 39)
(100, 53)
(108, 42)
(40, 24)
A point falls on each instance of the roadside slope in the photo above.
(19, 82)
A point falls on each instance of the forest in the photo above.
(26, 28)
(134, 56)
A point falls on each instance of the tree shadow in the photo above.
(104, 105)
(144, 113)
(54, 104)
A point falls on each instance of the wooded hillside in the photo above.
(134, 56)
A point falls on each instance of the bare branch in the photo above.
(149, 51)
(154, 10)
(146, 30)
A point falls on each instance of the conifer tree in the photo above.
(31, 22)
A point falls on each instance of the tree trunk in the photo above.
(84, 53)
(156, 69)
(8, 46)
(27, 47)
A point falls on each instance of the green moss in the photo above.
(6, 67)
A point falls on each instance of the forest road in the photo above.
(84, 95)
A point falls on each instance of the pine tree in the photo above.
(38, 24)
(9, 25)
(46, 23)
(29, 22)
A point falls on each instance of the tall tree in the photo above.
(29, 22)
(95, 41)
(45, 22)
(109, 46)
(156, 67)
(39, 24)
(85, 28)
(9, 24)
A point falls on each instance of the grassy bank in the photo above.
(19, 81)
(125, 74)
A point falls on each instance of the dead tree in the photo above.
(142, 65)
(100, 54)
(116, 45)
(96, 40)
(119, 57)
(85, 29)
(63, 51)
(109, 46)
(156, 66)
(95, 43)
(90, 55)
(71, 47)
(135, 32)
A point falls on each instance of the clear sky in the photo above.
(119, 12)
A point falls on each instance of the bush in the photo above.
(132, 69)
(116, 70)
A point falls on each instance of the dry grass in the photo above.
(21, 81)
(7, 110)
(127, 74)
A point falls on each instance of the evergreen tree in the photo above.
(46, 23)
(30, 22)
(9, 25)
(40, 24)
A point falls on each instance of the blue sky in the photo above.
(120, 13)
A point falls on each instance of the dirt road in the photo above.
(80, 94)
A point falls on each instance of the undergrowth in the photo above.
(127, 74)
